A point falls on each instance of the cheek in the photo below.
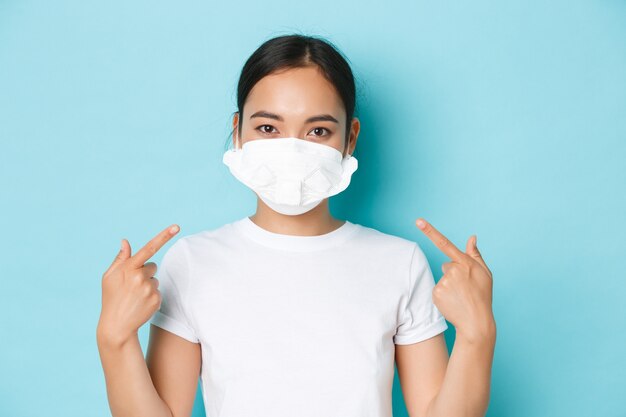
(337, 141)
(338, 146)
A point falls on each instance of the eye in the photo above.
(262, 130)
(322, 128)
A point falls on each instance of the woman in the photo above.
(292, 311)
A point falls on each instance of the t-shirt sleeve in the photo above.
(419, 318)
(174, 279)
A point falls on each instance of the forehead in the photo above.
(295, 93)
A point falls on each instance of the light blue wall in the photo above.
(505, 119)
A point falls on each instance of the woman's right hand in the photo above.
(130, 294)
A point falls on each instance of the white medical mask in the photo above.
(291, 175)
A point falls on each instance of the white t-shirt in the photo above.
(297, 325)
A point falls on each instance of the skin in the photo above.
(165, 383)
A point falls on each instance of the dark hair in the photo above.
(294, 51)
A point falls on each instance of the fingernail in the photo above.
(421, 224)
(475, 241)
(173, 229)
(122, 244)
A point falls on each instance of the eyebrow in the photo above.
(317, 118)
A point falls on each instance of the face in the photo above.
(300, 103)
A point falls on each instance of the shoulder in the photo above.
(205, 241)
(391, 245)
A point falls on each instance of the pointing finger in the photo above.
(152, 247)
(441, 241)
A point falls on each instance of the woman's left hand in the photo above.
(464, 293)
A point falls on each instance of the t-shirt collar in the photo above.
(294, 242)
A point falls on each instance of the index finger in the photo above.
(440, 241)
(152, 247)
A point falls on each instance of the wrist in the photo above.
(480, 335)
(109, 338)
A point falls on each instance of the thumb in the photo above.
(124, 252)
(470, 247)
(121, 256)
(472, 250)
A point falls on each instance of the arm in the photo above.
(433, 385)
(421, 370)
(174, 365)
(466, 386)
(163, 385)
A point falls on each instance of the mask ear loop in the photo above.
(347, 149)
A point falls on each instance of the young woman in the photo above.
(292, 312)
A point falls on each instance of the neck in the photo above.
(317, 221)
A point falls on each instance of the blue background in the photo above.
(505, 119)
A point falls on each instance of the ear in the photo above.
(355, 127)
